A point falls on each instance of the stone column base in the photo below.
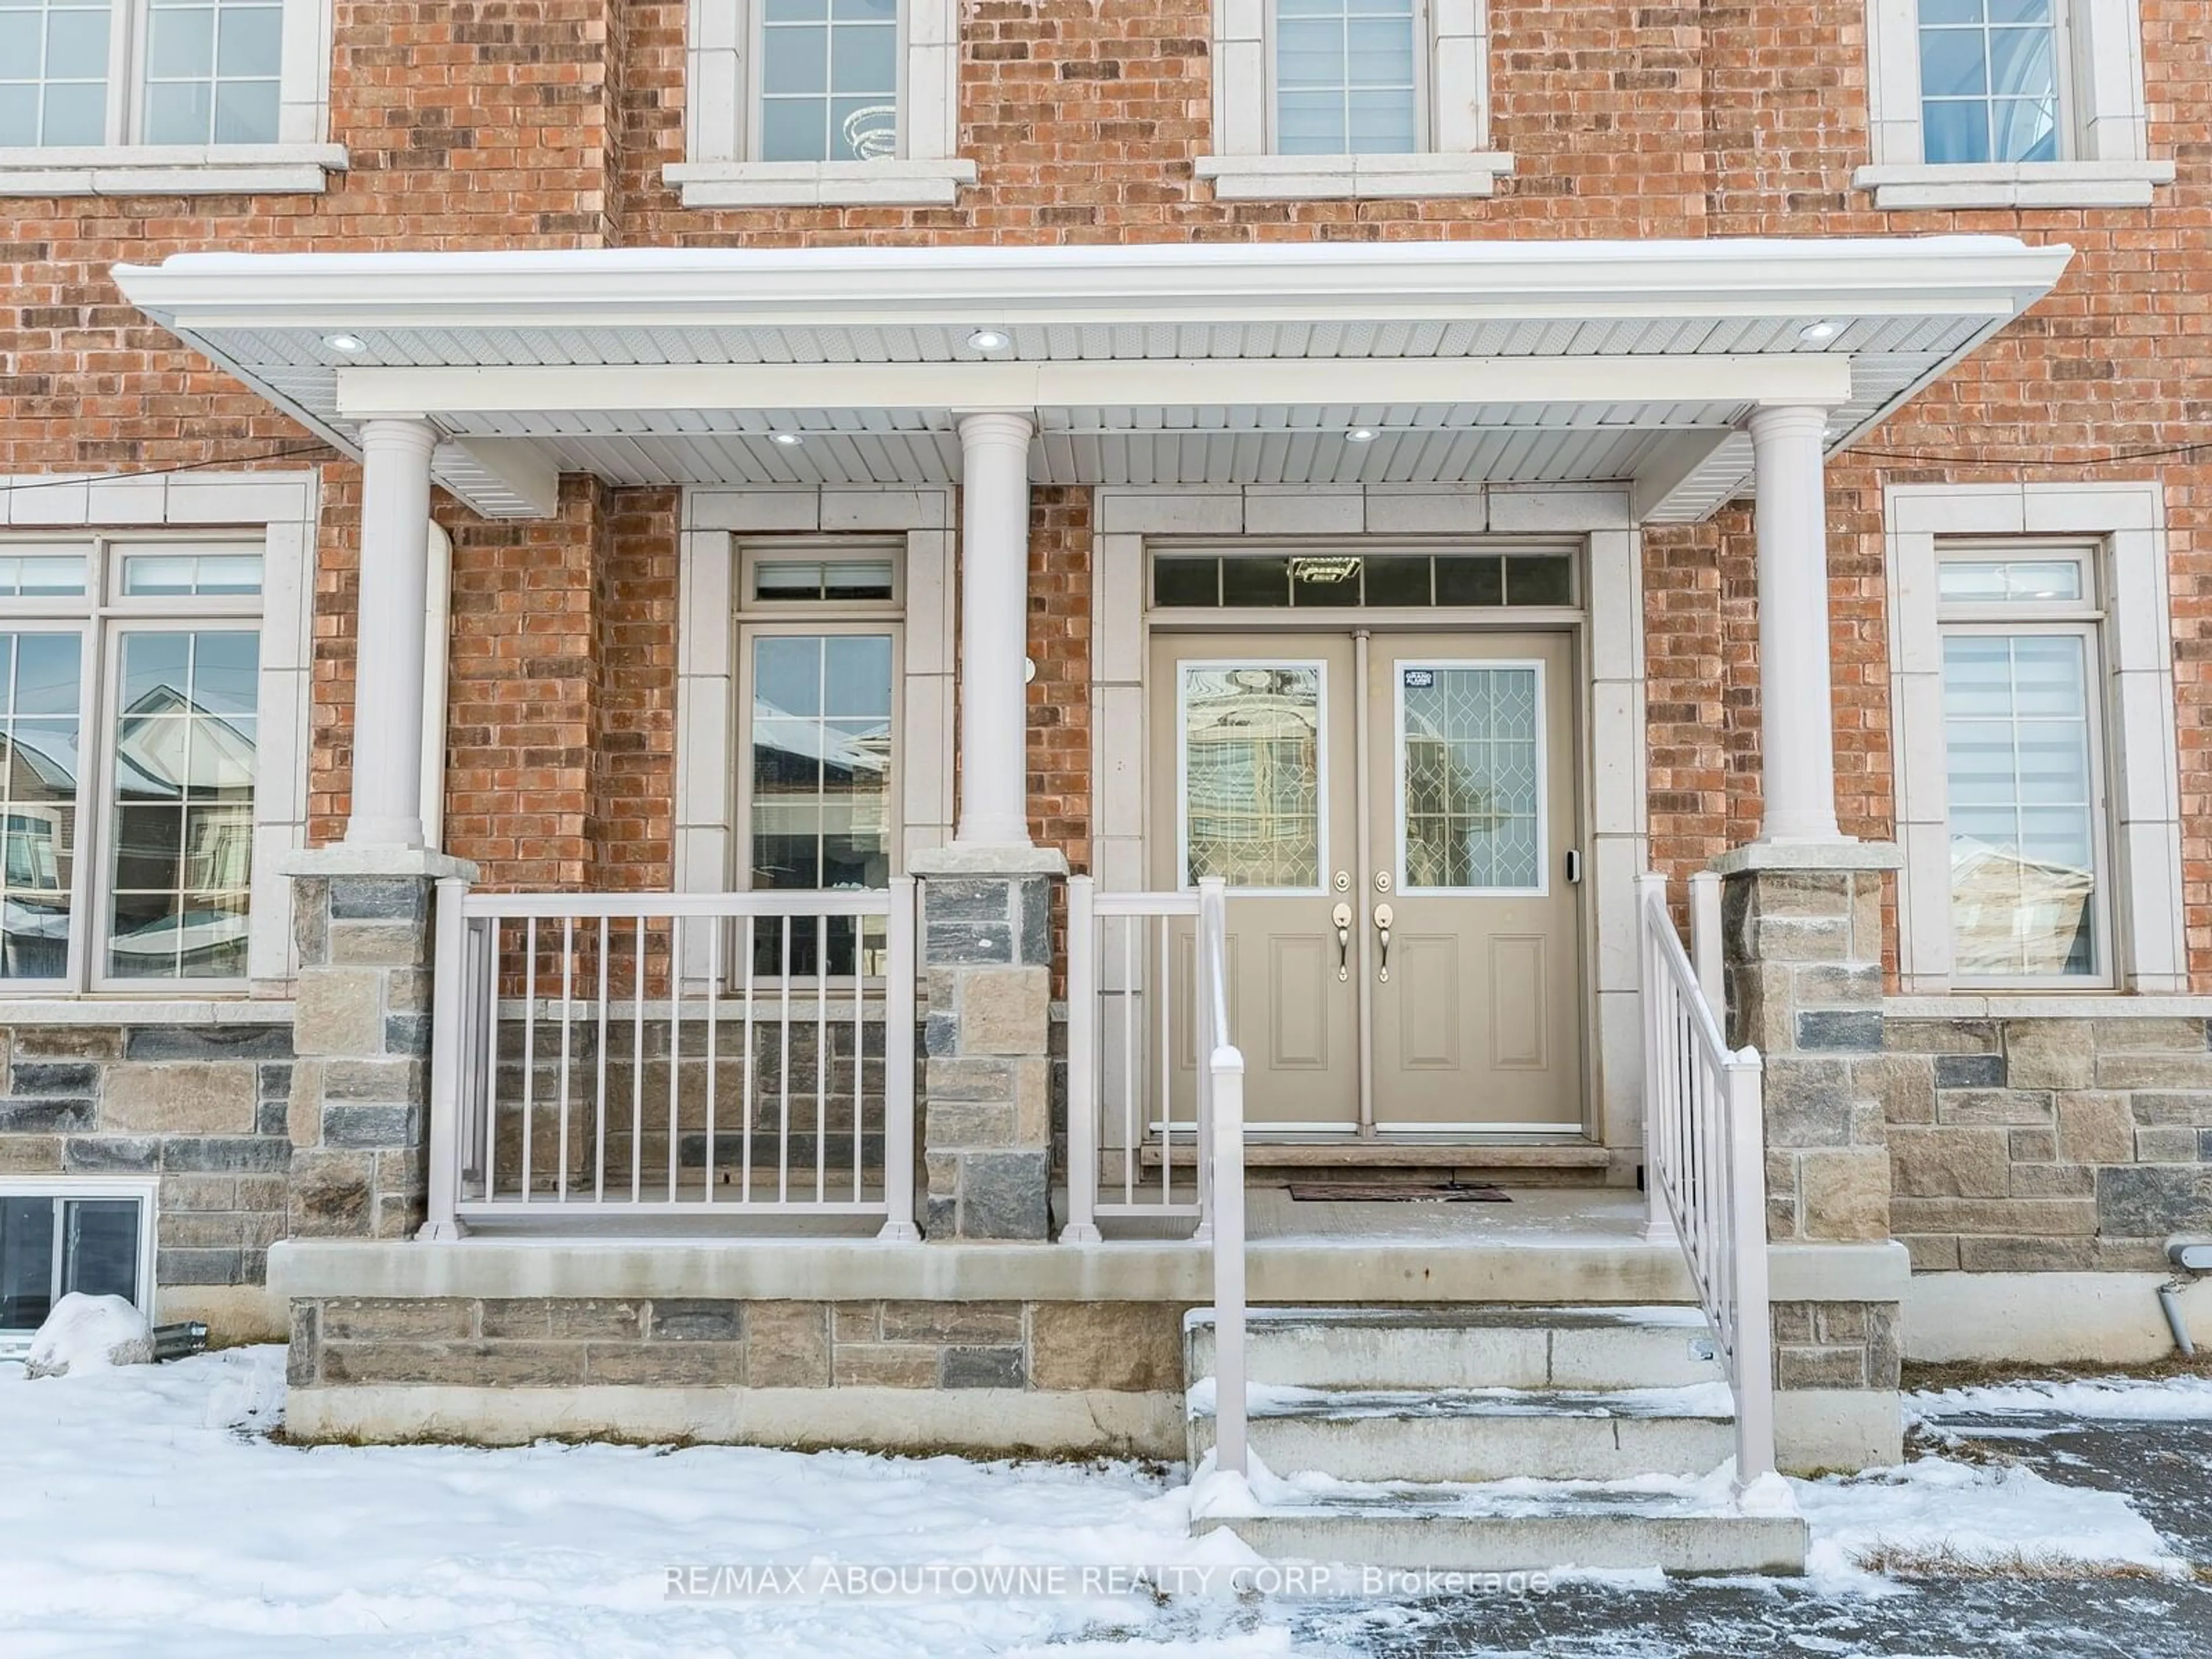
(985, 1076)
(360, 1104)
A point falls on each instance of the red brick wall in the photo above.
(477, 124)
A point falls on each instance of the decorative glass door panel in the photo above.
(1471, 778)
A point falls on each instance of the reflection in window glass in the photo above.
(816, 580)
(181, 575)
(42, 575)
(51, 1246)
(821, 785)
(829, 80)
(1251, 771)
(2009, 581)
(1989, 80)
(1471, 789)
(1381, 581)
(1344, 77)
(53, 72)
(41, 680)
(213, 71)
(2016, 719)
(184, 735)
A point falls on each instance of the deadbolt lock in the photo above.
(1344, 881)
(1381, 881)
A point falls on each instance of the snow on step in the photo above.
(1475, 1346)
(1479, 1434)
(1677, 1524)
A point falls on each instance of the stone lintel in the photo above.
(340, 860)
(959, 860)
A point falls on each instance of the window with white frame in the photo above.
(2038, 746)
(1319, 99)
(1348, 78)
(818, 679)
(2008, 103)
(130, 678)
(829, 80)
(807, 101)
(2024, 765)
(106, 72)
(1990, 80)
(92, 1236)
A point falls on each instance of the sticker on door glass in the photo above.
(1420, 679)
(1471, 778)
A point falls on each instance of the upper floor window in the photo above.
(1990, 80)
(1345, 98)
(810, 102)
(829, 80)
(84, 73)
(2008, 104)
(1347, 79)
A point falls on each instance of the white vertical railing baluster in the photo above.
(1132, 1072)
(783, 1079)
(637, 1064)
(746, 1133)
(1164, 1014)
(599, 1104)
(821, 1059)
(899, 988)
(1082, 1226)
(713, 1045)
(860, 1056)
(675, 1048)
(529, 1046)
(568, 1018)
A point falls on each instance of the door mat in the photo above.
(1395, 1192)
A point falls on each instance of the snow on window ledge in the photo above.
(171, 170)
(1321, 178)
(886, 183)
(2014, 184)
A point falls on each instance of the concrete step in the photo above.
(1467, 1530)
(1480, 1434)
(1502, 1347)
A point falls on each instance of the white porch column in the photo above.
(994, 566)
(387, 692)
(1797, 749)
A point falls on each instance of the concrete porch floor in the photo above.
(1553, 1245)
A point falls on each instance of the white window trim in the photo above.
(2106, 137)
(708, 832)
(283, 507)
(299, 163)
(719, 122)
(1457, 163)
(143, 1190)
(2147, 950)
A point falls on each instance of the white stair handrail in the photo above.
(1221, 1117)
(1704, 1157)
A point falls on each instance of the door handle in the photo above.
(1384, 915)
(1342, 917)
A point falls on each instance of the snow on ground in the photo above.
(2173, 1399)
(1969, 1513)
(148, 1512)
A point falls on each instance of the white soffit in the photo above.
(1578, 362)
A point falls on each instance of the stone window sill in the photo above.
(2061, 1005)
(1348, 178)
(2016, 184)
(133, 1011)
(820, 184)
(171, 170)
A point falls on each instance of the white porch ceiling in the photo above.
(1579, 362)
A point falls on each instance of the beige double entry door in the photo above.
(1395, 815)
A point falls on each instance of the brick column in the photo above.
(985, 1076)
(360, 1090)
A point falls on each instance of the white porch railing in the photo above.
(1141, 1014)
(1705, 1155)
(711, 1058)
